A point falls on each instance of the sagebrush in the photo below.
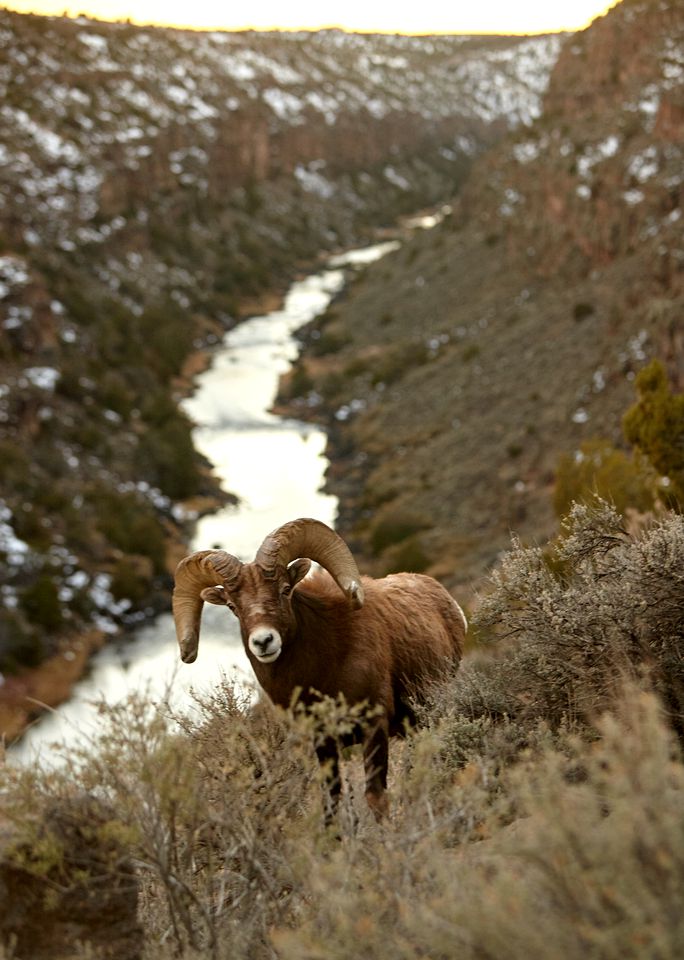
(537, 812)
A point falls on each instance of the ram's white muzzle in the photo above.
(265, 643)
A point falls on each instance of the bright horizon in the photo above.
(429, 17)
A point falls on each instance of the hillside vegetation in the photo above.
(154, 184)
(536, 814)
(459, 375)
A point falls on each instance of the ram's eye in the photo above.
(286, 590)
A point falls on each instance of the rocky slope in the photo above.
(154, 182)
(455, 374)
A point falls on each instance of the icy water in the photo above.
(275, 466)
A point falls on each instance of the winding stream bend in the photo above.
(275, 466)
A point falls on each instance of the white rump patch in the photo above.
(462, 615)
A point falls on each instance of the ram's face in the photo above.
(263, 608)
(259, 593)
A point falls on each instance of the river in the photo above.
(276, 467)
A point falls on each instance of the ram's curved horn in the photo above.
(315, 540)
(206, 568)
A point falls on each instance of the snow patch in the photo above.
(396, 178)
(94, 42)
(644, 165)
(285, 105)
(313, 181)
(16, 551)
(45, 378)
(13, 273)
(526, 152)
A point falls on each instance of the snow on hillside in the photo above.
(79, 97)
(152, 183)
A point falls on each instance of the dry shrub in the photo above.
(214, 809)
(67, 876)
(537, 813)
(593, 867)
(604, 605)
(575, 850)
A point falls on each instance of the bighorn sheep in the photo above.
(335, 632)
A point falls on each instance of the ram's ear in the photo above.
(215, 595)
(297, 571)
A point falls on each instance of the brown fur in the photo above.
(408, 632)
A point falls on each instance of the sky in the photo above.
(386, 16)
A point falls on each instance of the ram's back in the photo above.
(424, 625)
(409, 632)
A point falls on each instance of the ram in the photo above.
(332, 632)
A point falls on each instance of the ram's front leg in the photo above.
(376, 759)
(329, 759)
